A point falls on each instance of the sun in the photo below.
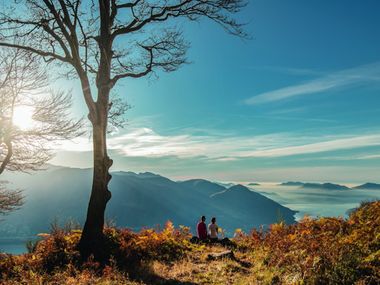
(23, 117)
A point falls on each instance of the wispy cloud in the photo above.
(323, 146)
(340, 79)
(145, 142)
(350, 157)
(369, 156)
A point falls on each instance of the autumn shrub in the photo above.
(252, 240)
(324, 250)
(57, 251)
(167, 245)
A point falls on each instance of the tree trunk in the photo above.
(92, 239)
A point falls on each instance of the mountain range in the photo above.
(330, 186)
(368, 185)
(326, 186)
(138, 200)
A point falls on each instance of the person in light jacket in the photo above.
(213, 230)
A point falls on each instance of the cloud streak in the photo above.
(144, 142)
(340, 79)
(324, 146)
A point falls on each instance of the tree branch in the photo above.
(42, 53)
(192, 9)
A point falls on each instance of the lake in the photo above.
(316, 202)
(16, 246)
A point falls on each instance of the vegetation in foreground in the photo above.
(314, 251)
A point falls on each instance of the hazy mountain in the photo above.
(138, 200)
(368, 185)
(324, 186)
(253, 184)
(292, 183)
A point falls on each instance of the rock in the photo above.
(220, 255)
(195, 239)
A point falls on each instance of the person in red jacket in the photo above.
(202, 229)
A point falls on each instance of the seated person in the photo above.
(213, 230)
(202, 229)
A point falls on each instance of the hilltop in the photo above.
(313, 251)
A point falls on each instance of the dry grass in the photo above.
(198, 269)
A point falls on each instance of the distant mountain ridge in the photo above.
(292, 183)
(330, 186)
(326, 186)
(368, 185)
(138, 200)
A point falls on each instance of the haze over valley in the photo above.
(60, 194)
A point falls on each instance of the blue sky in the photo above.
(299, 101)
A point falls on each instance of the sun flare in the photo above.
(23, 117)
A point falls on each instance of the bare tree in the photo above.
(22, 80)
(23, 83)
(10, 200)
(102, 42)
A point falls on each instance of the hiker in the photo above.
(213, 230)
(202, 229)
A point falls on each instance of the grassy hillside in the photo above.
(314, 251)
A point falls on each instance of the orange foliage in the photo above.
(325, 250)
(57, 252)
